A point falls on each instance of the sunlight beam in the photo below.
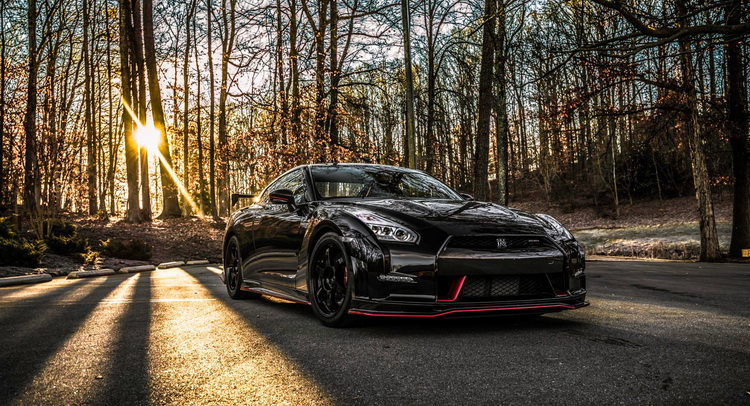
(149, 137)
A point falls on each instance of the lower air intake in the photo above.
(504, 285)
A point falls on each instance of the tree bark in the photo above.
(31, 169)
(211, 114)
(429, 151)
(283, 99)
(332, 116)
(139, 98)
(485, 104)
(227, 45)
(501, 108)
(186, 105)
(134, 213)
(171, 206)
(2, 104)
(410, 133)
(89, 112)
(198, 129)
(709, 237)
(319, 30)
(736, 64)
(293, 60)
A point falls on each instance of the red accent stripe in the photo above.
(455, 290)
(458, 311)
(263, 292)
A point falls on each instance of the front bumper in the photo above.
(368, 307)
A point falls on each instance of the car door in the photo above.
(278, 237)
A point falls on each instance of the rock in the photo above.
(140, 268)
(25, 279)
(89, 274)
(173, 264)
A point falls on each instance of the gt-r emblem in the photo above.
(501, 243)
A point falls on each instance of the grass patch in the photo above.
(675, 241)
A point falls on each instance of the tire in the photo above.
(233, 271)
(330, 282)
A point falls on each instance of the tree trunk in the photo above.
(284, 100)
(429, 151)
(171, 206)
(89, 112)
(134, 213)
(2, 105)
(501, 108)
(198, 129)
(185, 111)
(140, 103)
(227, 45)
(709, 237)
(333, 131)
(736, 64)
(293, 60)
(29, 124)
(211, 114)
(410, 133)
(485, 104)
(319, 30)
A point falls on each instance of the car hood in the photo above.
(455, 217)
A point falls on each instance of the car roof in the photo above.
(367, 165)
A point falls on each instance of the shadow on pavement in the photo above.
(34, 334)
(127, 377)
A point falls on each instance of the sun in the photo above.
(148, 136)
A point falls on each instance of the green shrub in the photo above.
(21, 252)
(66, 245)
(132, 249)
(59, 228)
(87, 258)
(7, 229)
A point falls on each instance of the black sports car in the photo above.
(374, 240)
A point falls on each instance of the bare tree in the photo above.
(736, 66)
(485, 103)
(171, 206)
(134, 212)
(31, 170)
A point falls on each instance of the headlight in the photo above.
(385, 230)
(557, 230)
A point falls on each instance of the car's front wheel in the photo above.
(233, 271)
(330, 282)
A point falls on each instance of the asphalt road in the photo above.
(655, 333)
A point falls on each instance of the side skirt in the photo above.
(274, 293)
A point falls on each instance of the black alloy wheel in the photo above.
(233, 271)
(330, 282)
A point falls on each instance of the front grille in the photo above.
(504, 285)
(490, 242)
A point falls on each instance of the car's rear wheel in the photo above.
(330, 282)
(233, 271)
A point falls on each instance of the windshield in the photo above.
(337, 182)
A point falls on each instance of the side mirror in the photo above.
(282, 196)
(467, 196)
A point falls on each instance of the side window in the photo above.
(292, 181)
(263, 199)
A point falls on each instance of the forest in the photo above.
(140, 109)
